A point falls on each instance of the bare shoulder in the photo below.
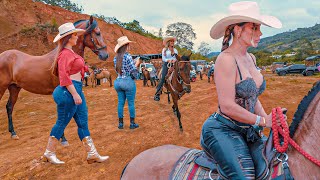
(225, 60)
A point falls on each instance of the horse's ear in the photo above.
(91, 19)
(190, 54)
(178, 57)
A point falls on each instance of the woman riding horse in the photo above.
(168, 56)
(230, 134)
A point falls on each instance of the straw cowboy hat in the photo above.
(166, 39)
(121, 42)
(66, 29)
(245, 11)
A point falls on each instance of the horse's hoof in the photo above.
(15, 137)
(65, 143)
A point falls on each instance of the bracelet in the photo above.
(258, 119)
(264, 122)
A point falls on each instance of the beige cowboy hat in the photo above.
(66, 29)
(244, 11)
(166, 39)
(123, 40)
(149, 69)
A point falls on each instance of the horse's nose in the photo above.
(103, 56)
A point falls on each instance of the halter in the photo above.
(89, 31)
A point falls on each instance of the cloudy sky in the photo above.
(154, 15)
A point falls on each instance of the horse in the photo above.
(19, 70)
(160, 162)
(147, 77)
(177, 83)
(103, 73)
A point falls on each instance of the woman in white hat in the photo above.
(70, 100)
(168, 56)
(232, 134)
(125, 84)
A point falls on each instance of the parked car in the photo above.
(292, 69)
(311, 70)
(276, 65)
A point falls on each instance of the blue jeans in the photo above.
(228, 147)
(126, 89)
(66, 109)
(163, 76)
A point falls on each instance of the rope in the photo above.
(284, 131)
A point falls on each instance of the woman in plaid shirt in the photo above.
(124, 84)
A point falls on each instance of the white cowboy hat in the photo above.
(123, 40)
(66, 29)
(166, 39)
(244, 11)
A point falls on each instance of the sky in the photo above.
(202, 14)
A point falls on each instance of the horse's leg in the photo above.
(110, 81)
(168, 92)
(177, 112)
(14, 92)
(200, 76)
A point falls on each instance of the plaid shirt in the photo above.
(128, 68)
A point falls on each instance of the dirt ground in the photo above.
(34, 116)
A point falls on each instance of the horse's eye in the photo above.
(98, 34)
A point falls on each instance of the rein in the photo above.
(284, 131)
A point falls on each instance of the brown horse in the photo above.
(158, 162)
(104, 73)
(32, 73)
(178, 83)
(147, 77)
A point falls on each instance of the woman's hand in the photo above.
(77, 99)
(269, 119)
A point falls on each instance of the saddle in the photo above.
(198, 164)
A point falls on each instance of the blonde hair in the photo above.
(61, 44)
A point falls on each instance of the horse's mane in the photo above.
(89, 28)
(303, 106)
(79, 22)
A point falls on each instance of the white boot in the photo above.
(93, 155)
(50, 154)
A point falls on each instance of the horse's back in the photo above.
(155, 163)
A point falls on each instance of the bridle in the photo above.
(89, 29)
(179, 78)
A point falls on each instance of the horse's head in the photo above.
(183, 67)
(92, 38)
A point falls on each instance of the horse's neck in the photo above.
(79, 48)
(307, 137)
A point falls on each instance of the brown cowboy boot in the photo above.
(93, 155)
(50, 155)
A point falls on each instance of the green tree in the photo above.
(66, 4)
(183, 32)
(204, 49)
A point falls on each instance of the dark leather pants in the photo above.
(163, 76)
(229, 149)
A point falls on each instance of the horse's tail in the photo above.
(303, 106)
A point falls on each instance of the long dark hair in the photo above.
(228, 33)
(120, 53)
(61, 44)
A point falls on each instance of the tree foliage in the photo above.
(183, 32)
(66, 4)
(204, 49)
